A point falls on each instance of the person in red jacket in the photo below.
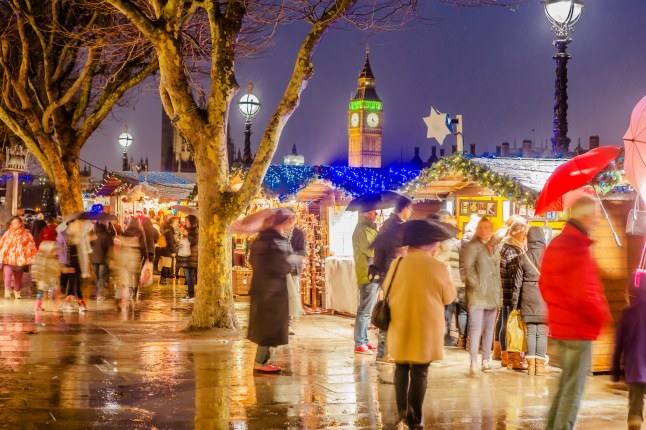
(48, 232)
(576, 305)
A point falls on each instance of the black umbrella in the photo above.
(417, 232)
(374, 201)
(90, 216)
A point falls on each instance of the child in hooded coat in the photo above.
(46, 270)
(630, 341)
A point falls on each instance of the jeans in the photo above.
(636, 403)
(17, 278)
(100, 277)
(502, 330)
(448, 314)
(479, 320)
(190, 281)
(536, 340)
(382, 346)
(71, 282)
(262, 355)
(410, 388)
(461, 318)
(575, 357)
(367, 301)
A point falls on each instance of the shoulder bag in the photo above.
(380, 317)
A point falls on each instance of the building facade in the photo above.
(175, 156)
(365, 122)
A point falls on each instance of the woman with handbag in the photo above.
(527, 297)
(417, 288)
(187, 255)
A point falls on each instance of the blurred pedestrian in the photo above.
(576, 305)
(188, 263)
(384, 256)
(48, 232)
(269, 301)
(418, 287)
(152, 236)
(17, 250)
(102, 247)
(135, 231)
(526, 296)
(46, 271)
(36, 226)
(512, 249)
(362, 237)
(73, 253)
(483, 292)
(630, 343)
(298, 242)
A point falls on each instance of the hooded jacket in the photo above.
(630, 338)
(526, 294)
(571, 286)
(364, 234)
(482, 275)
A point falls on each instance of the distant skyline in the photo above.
(492, 65)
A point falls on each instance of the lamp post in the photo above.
(249, 106)
(562, 14)
(15, 163)
(125, 140)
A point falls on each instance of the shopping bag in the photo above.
(516, 333)
(294, 294)
(146, 278)
(636, 222)
(184, 248)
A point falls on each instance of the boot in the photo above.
(16, 295)
(504, 360)
(163, 276)
(541, 370)
(531, 366)
(517, 361)
(39, 305)
(497, 353)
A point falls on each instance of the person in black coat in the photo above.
(152, 236)
(269, 300)
(167, 253)
(102, 244)
(189, 262)
(527, 297)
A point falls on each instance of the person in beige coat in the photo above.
(420, 286)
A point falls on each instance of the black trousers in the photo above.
(410, 388)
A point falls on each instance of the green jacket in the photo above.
(364, 233)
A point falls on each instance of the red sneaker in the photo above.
(267, 368)
(363, 349)
(371, 348)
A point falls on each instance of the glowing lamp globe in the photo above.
(249, 104)
(563, 14)
(125, 139)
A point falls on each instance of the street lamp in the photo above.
(249, 106)
(16, 163)
(562, 14)
(125, 140)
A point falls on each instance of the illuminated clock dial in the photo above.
(373, 120)
(354, 119)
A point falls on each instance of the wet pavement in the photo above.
(136, 369)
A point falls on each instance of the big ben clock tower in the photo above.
(365, 115)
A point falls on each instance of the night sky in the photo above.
(492, 65)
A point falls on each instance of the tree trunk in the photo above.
(67, 184)
(214, 299)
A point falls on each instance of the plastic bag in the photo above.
(293, 290)
(184, 248)
(146, 278)
(516, 333)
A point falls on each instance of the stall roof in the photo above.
(531, 173)
(162, 178)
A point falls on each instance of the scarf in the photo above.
(511, 240)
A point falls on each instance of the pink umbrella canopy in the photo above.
(254, 223)
(635, 144)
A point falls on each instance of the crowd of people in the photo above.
(431, 279)
(59, 254)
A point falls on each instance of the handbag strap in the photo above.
(399, 259)
(531, 263)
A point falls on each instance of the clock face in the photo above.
(373, 120)
(354, 119)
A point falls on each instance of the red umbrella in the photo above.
(567, 200)
(635, 144)
(573, 174)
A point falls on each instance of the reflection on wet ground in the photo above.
(137, 369)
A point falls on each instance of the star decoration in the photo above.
(439, 125)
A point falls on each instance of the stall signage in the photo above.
(478, 207)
